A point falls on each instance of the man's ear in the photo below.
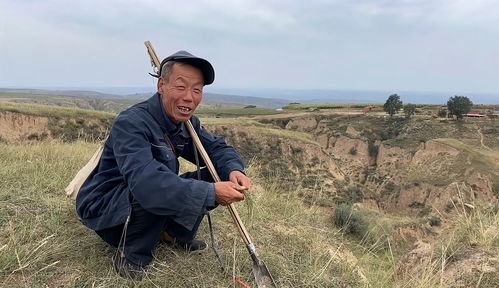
(160, 85)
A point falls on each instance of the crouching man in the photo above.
(135, 197)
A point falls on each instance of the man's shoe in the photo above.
(127, 269)
(191, 246)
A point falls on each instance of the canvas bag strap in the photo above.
(74, 186)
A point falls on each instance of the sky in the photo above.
(416, 45)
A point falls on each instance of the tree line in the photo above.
(457, 106)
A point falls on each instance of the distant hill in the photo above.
(209, 98)
(311, 96)
(72, 93)
(269, 98)
(245, 100)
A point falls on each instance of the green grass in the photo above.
(260, 129)
(331, 106)
(225, 112)
(51, 111)
(21, 95)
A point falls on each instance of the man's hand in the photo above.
(227, 192)
(239, 178)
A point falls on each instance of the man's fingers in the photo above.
(240, 187)
(228, 192)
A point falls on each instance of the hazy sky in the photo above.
(421, 45)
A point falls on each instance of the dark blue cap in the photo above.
(188, 58)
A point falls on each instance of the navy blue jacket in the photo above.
(140, 161)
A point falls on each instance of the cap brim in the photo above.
(200, 63)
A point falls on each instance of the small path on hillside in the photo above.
(481, 139)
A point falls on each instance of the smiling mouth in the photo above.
(184, 109)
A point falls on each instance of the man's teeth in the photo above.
(184, 109)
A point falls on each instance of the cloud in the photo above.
(295, 44)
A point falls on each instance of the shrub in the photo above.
(435, 221)
(409, 110)
(372, 149)
(353, 151)
(350, 220)
(442, 113)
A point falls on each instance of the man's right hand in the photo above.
(227, 192)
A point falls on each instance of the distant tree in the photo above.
(392, 105)
(459, 106)
(409, 110)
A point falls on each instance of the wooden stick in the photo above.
(214, 174)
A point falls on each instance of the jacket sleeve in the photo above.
(155, 186)
(224, 157)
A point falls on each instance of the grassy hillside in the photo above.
(54, 111)
(44, 244)
(68, 101)
(304, 242)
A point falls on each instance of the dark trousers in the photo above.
(143, 231)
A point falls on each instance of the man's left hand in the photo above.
(239, 178)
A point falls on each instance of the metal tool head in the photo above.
(262, 275)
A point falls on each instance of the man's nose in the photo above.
(188, 95)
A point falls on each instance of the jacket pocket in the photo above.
(163, 154)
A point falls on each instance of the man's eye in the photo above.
(180, 87)
(197, 91)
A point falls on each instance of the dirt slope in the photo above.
(19, 127)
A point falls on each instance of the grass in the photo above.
(234, 112)
(472, 236)
(476, 225)
(90, 103)
(260, 129)
(331, 106)
(444, 169)
(483, 160)
(43, 244)
(51, 111)
(21, 95)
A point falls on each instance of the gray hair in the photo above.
(166, 70)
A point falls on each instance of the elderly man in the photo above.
(135, 197)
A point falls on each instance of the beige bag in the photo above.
(82, 175)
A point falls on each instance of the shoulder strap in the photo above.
(74, 186)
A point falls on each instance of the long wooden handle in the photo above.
(214, 174)
(154, 57)
(235, 216)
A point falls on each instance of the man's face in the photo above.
(182, 93)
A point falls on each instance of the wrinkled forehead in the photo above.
(186, 72)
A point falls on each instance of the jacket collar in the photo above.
(155, 107)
